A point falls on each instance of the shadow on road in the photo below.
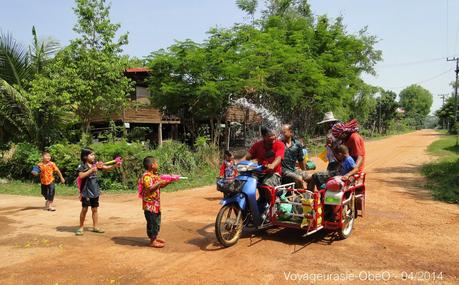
(10, 210)
(433, 135)
(414, 186)
(68, 229)
(208, 242)
(213, 198)
(132, 241)
(291, 237)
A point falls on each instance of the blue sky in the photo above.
(415, 36)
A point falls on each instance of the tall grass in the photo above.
(443, 174)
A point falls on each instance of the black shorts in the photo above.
(86, 202)
(47, 191)
(153, 223)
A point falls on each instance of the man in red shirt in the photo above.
(347, 133)
(268, 152)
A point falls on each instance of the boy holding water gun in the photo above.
(46, 170)
(150, 185)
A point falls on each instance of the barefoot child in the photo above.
(47, 168)
(151, 187)
(90, 190)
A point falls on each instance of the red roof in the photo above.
(137, 69)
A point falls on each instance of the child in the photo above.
(228, 169)
(151, 190)
(347, 163)
(47, 169)
(90, 190)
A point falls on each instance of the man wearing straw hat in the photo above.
(332, 142)
(319, 178)
(330, 119)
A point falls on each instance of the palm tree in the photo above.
(18, 67)
(15, 64)
(41, 52)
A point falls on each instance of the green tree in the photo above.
(194, 82)
(416, 101)
(88, 74)
(248, 6)
(41, 52)
(289, 62)
(20, 118)
(446, 115)
(384, 112)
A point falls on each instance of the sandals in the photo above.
(80, 231)
(98, 230)
(51, 209)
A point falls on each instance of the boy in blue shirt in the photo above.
(347, 166)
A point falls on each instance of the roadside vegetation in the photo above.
(443, 174)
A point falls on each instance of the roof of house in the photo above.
(138, 70)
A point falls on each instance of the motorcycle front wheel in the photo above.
(228, 225)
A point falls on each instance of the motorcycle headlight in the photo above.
(242, 168)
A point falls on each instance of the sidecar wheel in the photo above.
(348, 217)
(227, 229)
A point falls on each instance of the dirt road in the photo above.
(404, 230)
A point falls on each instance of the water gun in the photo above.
(117, 160)
(36, 170)
(171, 177)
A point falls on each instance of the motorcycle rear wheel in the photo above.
(228, 228)
(348, 214)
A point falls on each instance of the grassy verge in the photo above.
(33, 189)
(443, 174)
(206, 178)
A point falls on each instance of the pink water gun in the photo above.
(171, 177)
(117, 160)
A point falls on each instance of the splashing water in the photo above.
(269, 120)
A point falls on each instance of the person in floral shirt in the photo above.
(151, 184)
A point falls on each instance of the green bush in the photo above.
(66, 157)
(19, 166)
(173, 157)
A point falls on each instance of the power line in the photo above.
(423, 81)
(456, 59)
(421, 61)
(444, 97)
(412, 62)
(447, 24)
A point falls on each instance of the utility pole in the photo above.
(456, 59)
(443, 97)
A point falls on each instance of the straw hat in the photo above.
(328, 117)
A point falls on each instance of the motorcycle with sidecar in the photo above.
(333, 207)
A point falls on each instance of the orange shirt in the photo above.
(47, 172)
